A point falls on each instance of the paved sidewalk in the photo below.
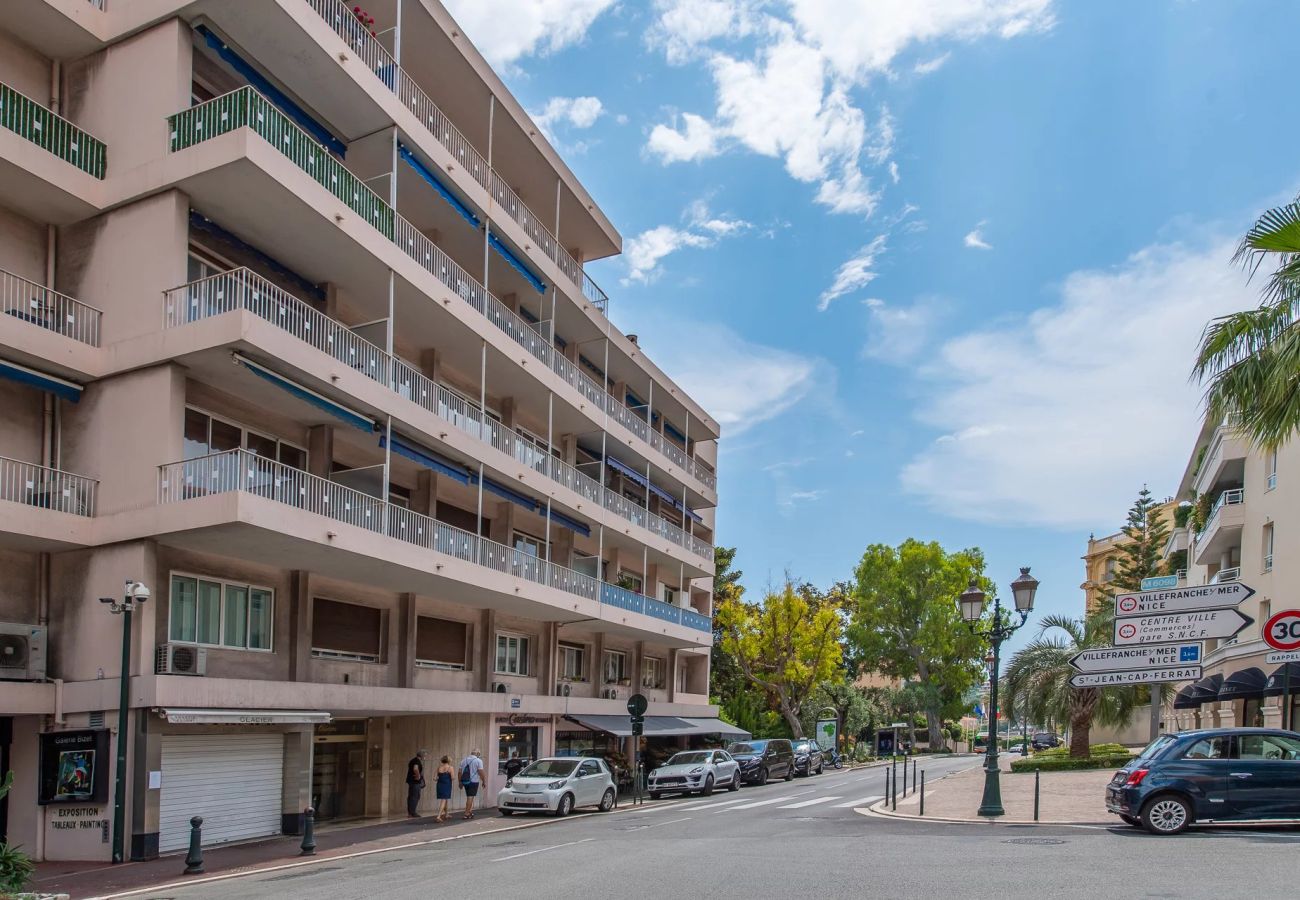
(1065, 798)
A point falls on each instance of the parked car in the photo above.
(1045, 740)
(808, 758)
(695, 771)
(1209, 776)
(762, 760)
(557, 785)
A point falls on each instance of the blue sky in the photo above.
(938, 266)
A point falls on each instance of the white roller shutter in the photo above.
(232, 780)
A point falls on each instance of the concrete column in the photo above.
(568, 444)
(424, 499)
(487, 649)
(652, 580)
(674, 660)
(508, 412)
(296, 788)
(511, 300)
(503, 523)
(431, 363)
(405, 646)
(146, 757)
(598, 666)
(300, 626)
(320, 450)
(377, 766)
(638, 655)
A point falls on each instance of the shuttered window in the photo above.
(346, 630)
(440, 643)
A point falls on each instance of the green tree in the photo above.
(785, 645)
(1250, 360)
(1037, 679)
(905, 622)
(855, 709)
(1141, 556)
(726, 681)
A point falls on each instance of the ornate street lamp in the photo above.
(1000, 628)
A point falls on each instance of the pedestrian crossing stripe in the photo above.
(813, 802)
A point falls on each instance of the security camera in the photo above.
(139, 593)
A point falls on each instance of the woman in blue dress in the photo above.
(443, 795)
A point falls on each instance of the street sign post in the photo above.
(1187, 599)
(1282, 633)
(828, 734)
(1140, 676)
(1141, 657)
(1186, 626)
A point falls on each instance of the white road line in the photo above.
(711, 803)
(863, 802)
(813, 802)
(759, 803)
(661, 824)
(542, 850)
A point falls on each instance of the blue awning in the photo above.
(572, 524)
(627, 470)
(433, 181)
(513, 496)
(273, 93)
(516, 263)
(200, 222)
(426, 458)
(337, 410)
(57, 386)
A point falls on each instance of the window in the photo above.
(1270, 467)
(720, 756)
(615, 667)
(1268, 547)
(682, 679)
(206, 434)
(441, 643)
(1268, 746)
(584, 564)
(512, 654)
(588, 767)
(1109, 574)
(573, 662)
(652, 672)
(346, 631)
(668, 594)
(630, 580)
(529, 545)
(220, 614)
(1209, 748)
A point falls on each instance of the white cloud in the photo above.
(644, 252)
(796, 498)
(574, 112)
(934, 64)
(975, 238)
(696, 139)
(897, 334)
(854, 274)
(893, 171)
(507, 30)
(1058, 419)
(684, 26)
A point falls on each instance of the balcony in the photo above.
(1226, 575)
(245, 473)
(1222, 531)
(50, 170)
(51, 132)
(247, 108)
(244, 290)
(45, 308)
(623, 598)
(52, 510)
(1224, 459)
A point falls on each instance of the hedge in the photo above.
(1093, 750)
(1040, 763)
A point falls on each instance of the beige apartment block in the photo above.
(295, 331)
(1249, 532)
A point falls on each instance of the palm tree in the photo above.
(1038, 679)
(1250, 360)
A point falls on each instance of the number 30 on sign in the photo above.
(1282, 631)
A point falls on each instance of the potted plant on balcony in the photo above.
(367, 21)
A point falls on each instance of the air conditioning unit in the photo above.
(22, 652)
(181, 659)
(610, 693)
(500, 687)
(563, 689)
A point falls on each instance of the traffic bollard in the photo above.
(1036, 774)
(893, 799)
(923, 792)
(194, 859)
(913, 774)
(308, 832)
(886, 784)
(904, 776)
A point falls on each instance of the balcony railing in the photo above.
(46, 488)
(28, 119)
(242, 289)
(246, 107)
(240, 470)
(46, 308)
(377, 58)
(692, 619)
(1232, 574)
(1227, 498)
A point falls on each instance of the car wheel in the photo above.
(789, 774)
(707, 790)
(821, 767)
(1166, 815)
(506, 812)
(1131, 820)
(763, 775)
(735, 782)
(565, 807)
(655, 795)
(607, 801)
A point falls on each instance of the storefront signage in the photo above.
(523, 719)
(245, 717)
(74, 767)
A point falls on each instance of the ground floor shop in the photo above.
(1247, 693)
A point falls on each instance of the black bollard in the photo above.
(194, 859)
(1036, 774)
(914, 775)
(308, 832)
(904, 776)
(923, 792)
(886, 783)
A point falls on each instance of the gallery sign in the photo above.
(74, 767)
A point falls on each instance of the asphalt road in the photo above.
(801, 837)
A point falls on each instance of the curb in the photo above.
(878, 810)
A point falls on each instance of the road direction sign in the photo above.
(1141, 676)
(1282, 630)
(1159, 582)
(1144, 656)
(1278, 657)
(1185, 599)
(1186, 626)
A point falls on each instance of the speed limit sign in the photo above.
(1282, 631)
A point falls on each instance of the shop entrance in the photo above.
(338, 766)
(515, 742)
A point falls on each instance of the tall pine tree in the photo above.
(1141, 556)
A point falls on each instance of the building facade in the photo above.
(1245, 527)
(1101, 562)
(295, 331)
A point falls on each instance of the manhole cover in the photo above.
(1033, 841)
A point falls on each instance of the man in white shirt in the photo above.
(472, 778)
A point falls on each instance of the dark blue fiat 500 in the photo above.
(1202, 777)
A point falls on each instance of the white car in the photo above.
(695, 771)
(557, 784)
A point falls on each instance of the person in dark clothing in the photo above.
(513, 767)
(415, 782)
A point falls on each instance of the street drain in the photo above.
(1033, 841)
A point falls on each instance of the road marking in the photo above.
(863, 802)
(541, 850)
(659, 824)
(813, 802)
(759, 803)
(712, 803)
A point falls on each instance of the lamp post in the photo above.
(971, 603)
(135, 593)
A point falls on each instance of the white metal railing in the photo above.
(1230, 574)
(1181, 575)
(1272, 480)
(1227, 498)
(1268, 562)
(243, 289)
(46, 488)
(46, 308)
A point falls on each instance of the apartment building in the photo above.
(295, 331)
(1244, 526)
(1102, 560)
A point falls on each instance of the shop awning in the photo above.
(307, 395)
(66, 389)
(245, 716)
(1245, 684)
(1277, 680)
(1184, 699)
(621, 726)
(1207, 689)
(720, 728)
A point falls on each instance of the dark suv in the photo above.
(1045, 740)
(760, 761)
(807, 757)
(1217, 775)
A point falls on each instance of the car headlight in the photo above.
(555, 785)
(698, 770)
